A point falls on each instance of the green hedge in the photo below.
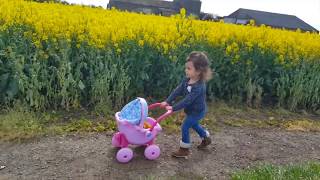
(63, 74)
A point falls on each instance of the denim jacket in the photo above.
(194, 101)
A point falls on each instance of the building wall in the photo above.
(192, 7)
(133, 7)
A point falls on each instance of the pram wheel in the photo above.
(124, 155)
(152, 152)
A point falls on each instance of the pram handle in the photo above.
(162, 117)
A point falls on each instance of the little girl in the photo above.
(193, 89)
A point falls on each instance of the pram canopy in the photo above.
(135, 112)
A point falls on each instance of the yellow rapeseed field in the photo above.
(100, 26)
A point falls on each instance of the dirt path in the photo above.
(91, 156)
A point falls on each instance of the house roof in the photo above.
(272, 19)
(155, 3)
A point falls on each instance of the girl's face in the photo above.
(191, 72)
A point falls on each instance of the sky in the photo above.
(307, 10)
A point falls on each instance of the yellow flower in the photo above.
(99, 27)
(141, 42)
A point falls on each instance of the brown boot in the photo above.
(181, 153)
(205, 142)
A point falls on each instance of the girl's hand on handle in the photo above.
(164, 104)
(169, 108)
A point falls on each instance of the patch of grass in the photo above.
(223, 109)
(305, 125)
(83, 125)
(279, 112)
(211, 123)
(172, 124)
(233, 115)
(18, 123)
(309, 170)
(302, 125)
(21, 124)
(253, 123)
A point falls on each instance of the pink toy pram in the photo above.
(137, 133)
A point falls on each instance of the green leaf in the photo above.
(13, 88)
(81, 85)
(4, 78)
